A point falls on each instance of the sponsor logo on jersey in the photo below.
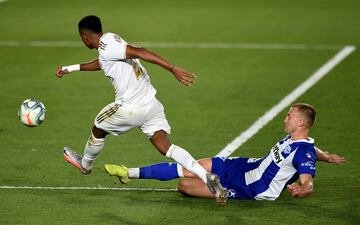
(308, 155)
(287, 150)
(277, 157)
(309, 164)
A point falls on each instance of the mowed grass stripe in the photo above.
(193, 45)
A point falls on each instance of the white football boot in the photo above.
(214, 185)
(75, 159)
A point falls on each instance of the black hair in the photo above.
(91, 23)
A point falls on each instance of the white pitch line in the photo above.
(90, 188)
(204, 45)
(182, 45)
(286, 101)
(1, 1)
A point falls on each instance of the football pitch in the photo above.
(249, 56)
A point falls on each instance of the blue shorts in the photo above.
(232, 175)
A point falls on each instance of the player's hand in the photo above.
(184, 76)
(60, 72)
(294, 189)
(333, 158)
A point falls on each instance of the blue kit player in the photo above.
(292, 158)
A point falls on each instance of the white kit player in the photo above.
(290, 159)
(135, 103)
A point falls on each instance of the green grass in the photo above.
(234, 88)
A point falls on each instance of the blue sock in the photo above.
(161, 171)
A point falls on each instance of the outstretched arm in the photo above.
(89, 66)
(330, 158)
(180, 74)
(304, 189)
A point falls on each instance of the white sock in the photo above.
(134, 172)
(183, 157)
(180, 170)
(92, 149)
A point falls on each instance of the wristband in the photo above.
(71, 68)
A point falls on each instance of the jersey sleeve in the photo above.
(305, 161)
(115, 49)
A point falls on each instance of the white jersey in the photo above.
(128, 77)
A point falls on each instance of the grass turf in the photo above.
(234, 88)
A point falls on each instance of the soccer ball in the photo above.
(32, 112)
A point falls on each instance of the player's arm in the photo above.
(302, 189)
(330, 158)
(89, 66)
(180, 74)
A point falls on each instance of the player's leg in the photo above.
(96, 141)
(99, 133)
(213, 188)
(157, 129)
(181, 156)
(160, 171)
(205, 163)
(93, 147)
(194, 187)
(107, 120)
(162, 143)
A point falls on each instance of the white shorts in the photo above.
(116, 119)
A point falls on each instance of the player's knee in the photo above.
(206, 164)
(163, 149)
(160, 141)
(184, 186)
(98, 133)
(93, 140)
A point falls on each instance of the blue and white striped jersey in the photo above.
(265, 178)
